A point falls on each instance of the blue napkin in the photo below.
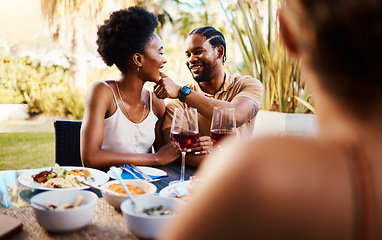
(126, 175)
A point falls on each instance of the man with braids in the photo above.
(123, 120)
(205, 56)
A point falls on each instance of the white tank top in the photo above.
(122, 135)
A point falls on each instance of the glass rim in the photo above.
(184, 108)
(225, 108)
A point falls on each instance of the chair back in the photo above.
(67, 134)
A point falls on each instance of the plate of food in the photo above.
(177, 190)
(62, 178)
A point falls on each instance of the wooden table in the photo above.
(107, 223)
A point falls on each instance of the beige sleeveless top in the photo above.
(122, 135)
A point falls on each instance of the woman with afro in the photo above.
(122, 120)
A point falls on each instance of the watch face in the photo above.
(185, 90)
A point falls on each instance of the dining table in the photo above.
(107, 222)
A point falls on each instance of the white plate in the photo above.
(177, 190)
(27, 180)
(153, 172)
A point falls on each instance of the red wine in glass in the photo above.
(184, 139)
(184, 133)
(218, 134)
(223, 123)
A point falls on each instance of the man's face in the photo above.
(201, 58)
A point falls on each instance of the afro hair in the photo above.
(126, 32)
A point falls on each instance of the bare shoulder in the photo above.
(98, 90)
(288, 184)
(99, 99)
(297, 163)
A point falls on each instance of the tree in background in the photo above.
(73, 24)
(255, 30)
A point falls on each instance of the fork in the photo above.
(146, 176)
(131, 172)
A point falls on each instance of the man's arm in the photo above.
(245, 108)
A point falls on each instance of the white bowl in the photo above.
(145, 226)
(67, 219)
(115, 200)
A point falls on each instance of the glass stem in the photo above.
(183, 168)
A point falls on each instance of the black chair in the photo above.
(67, 134)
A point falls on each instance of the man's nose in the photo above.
(192, 58)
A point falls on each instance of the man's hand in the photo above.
(203, 146)
(166, 87)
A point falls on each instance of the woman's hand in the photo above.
(203, 146)
(167, 154)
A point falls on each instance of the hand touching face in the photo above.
(166, 87)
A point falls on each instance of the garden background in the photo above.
(48, 59)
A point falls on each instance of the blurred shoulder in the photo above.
(287, 183)
(285, 151)
(287, 165)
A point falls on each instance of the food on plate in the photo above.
(80, 172)
(41, 177)
(157, 211)
(194, 181)
(185, 190)
(77, 203)
(184, 196)
(134, 190)
(59, 177)
(70, 181)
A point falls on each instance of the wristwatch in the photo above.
(183, 93)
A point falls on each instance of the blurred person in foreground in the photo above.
(329, 187)
(205, 57)
(123, 120)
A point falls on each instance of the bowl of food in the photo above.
(61, 211)
(151, 214)
(136, 188)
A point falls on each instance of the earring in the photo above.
(138, 68)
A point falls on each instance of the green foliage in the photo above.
(265, 58)
(62, 101)
(10, 96)
(26, 150)
(48, 90)
(45, 89)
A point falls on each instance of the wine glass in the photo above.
(223, 124)
(184, 133)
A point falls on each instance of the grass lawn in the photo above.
(24, 150)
